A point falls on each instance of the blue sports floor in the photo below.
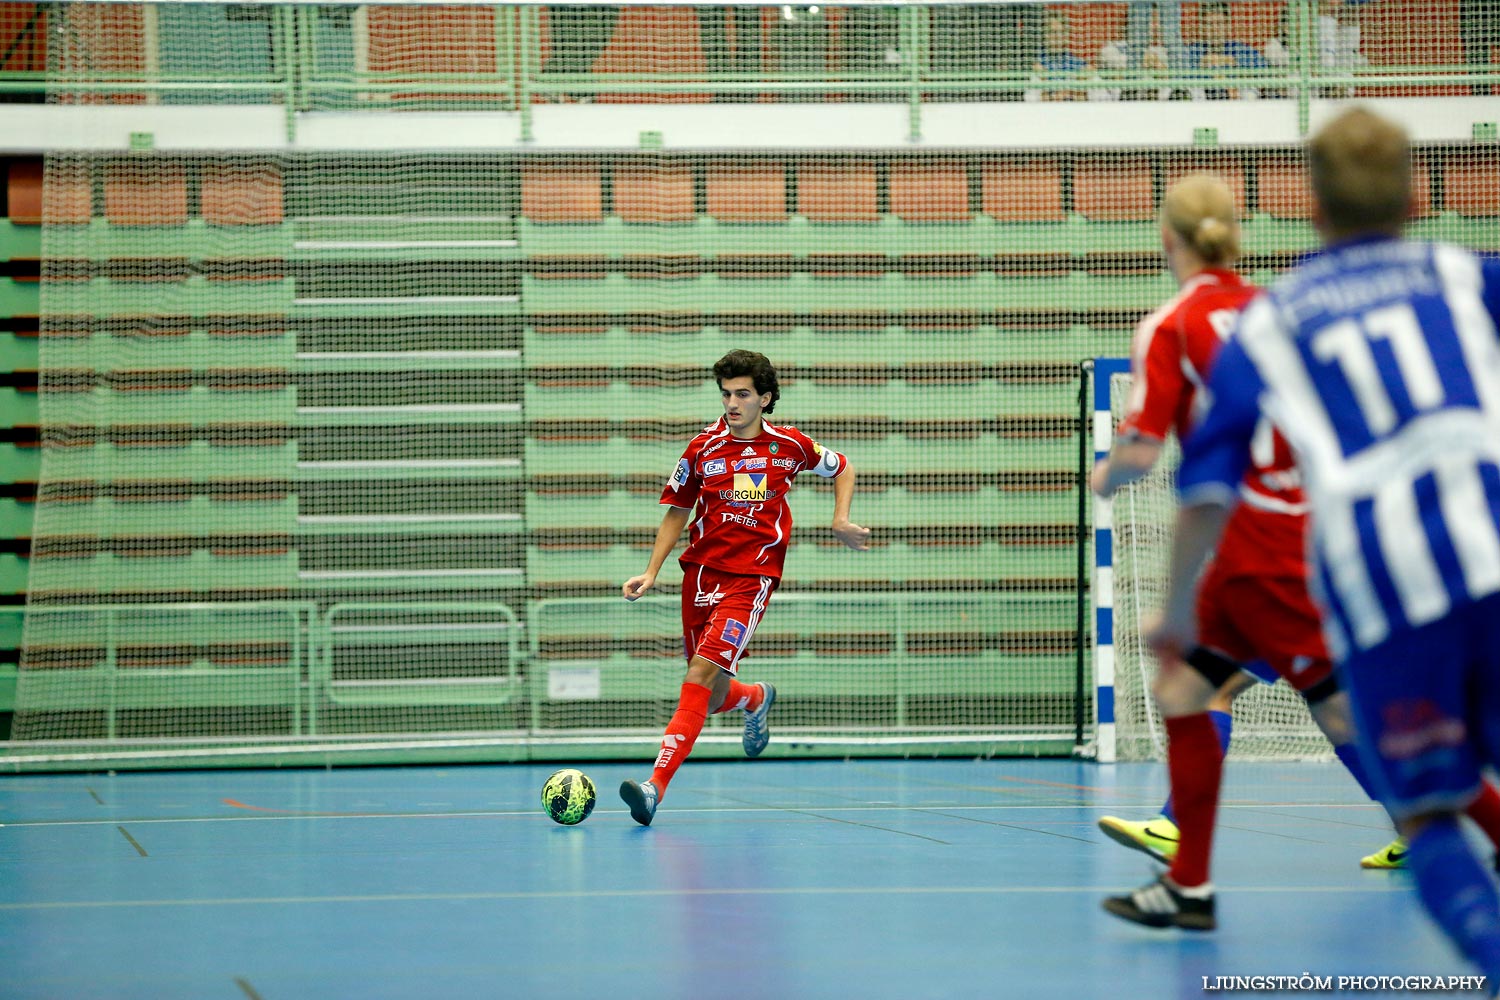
(773, 879)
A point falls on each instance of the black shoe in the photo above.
(1159, 903)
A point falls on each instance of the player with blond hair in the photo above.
(1253, 603)
(1379, 359)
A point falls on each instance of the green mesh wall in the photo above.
(345, 456)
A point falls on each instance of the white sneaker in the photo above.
(757, 729)
(640, 796)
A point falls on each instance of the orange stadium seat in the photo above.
(241, 194)
(748, 191)
(1282, 185)
(1227, 167)
(930, 190)
(68, 193)
(1114, 189)
(837, 191)
(1471, 188)
(156, 194)
(1022, 190)
(24, 191)
(562, 192)
(652, 191)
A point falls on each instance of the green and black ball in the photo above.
(569, 796)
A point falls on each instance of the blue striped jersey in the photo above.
(1378, 359)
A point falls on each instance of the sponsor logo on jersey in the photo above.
(669, 745)
(749, 487)
(743, 464)
(784, 463)
(714, 467)
(748, 450)
(712, 448)
(680, 474)
(734, 632)
(707, 598)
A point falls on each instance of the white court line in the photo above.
(1371, 888)
(258, 817)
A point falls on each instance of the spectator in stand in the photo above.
(1216, 51)
(1057, 61)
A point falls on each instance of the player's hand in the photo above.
(1099, 478)
(637, 585)
(853, 535)
(1170, 637)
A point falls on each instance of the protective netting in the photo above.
(354, 450)
(1270, 721)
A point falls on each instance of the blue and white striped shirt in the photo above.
(1379, 361)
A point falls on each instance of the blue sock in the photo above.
(1348, 755)
(1458, 893)
(1224, 726)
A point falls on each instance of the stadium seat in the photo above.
(930, 190)
(1114, 189)
(1282, 186)
(154, 196)
(652, 191)
(562, 192)
(24, 191)
(837, 191)
(1470, 188)
(1230, 168)
(1421, 188)
(68, 194)
(746, 191)
(1027, 190)
(241, 194)
(432, 40)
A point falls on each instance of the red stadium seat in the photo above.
(1471, 188)
(929, 190)
(562, 192)
(652, 191)
(747, 191)
(1282, 184)
(153, 194)
(1230, 169)
(837, 191)
(1022, 190)
(24, 191)
(1114, 189)
(237, 194)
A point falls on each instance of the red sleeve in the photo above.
(685, 482)
(1158, 382)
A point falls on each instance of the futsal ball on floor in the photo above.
(569, 796)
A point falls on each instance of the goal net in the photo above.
(1270, 720)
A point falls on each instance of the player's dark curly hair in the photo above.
(737, 364)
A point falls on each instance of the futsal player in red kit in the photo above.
(1252, 600)
(732, 482)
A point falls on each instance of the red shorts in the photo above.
(1264, 618)
(720, 612)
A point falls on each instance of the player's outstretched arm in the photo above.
(845, 530)
(672, 523)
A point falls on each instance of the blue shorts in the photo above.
(1426, 704)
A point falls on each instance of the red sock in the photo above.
(682, 732)
(741, 695)
(1195, 764)
(1485, 811)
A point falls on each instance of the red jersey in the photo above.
(739, 487)
(1170, 358)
